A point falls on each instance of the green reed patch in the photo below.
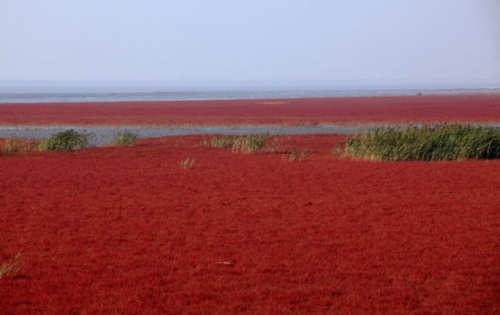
(68, 140)
(426, 143)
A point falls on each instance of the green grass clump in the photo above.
(124, 138)
(222, 142)
(250, 143)
(68, 140)
(426, 143)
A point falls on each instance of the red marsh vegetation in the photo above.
(349, 110)
(130, 230)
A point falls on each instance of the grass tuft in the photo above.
(426, 143)
(10, 268)
(68, 140)
(14, 145)
(299, 154)
(124, 138)
(222, 142)
(188, 163)
(250, 143)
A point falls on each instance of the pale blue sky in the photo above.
(336, 40)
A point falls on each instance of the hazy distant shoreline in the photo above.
(25, 96)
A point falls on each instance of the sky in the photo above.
(441, 42)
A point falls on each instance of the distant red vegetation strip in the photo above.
(128, 230)
(349, 110)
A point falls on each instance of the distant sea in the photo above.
(232, 94)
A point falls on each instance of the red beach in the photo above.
(130, 230)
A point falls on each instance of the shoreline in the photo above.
(134, 97)
(102, 135)
(113, 96)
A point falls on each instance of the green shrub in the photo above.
(124, 138)
(68, 140)
(426, 143)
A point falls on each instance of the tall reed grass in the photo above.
(426, 143)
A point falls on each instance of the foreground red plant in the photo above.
(348, 110)
(129, 230)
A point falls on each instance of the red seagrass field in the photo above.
(134, 230)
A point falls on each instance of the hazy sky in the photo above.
(339, 40)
